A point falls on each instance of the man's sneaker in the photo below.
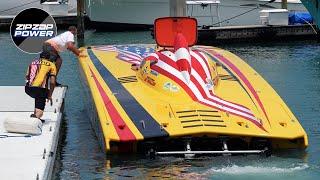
(58, 84)
(34, 116)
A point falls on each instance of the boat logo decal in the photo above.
(153, 72)
(145, 71)
(170, 87)
(31, 28)
(150, 81)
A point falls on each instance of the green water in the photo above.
(293, 69)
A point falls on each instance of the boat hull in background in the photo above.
(120, 15)
(9, 9)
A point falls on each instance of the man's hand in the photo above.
(49, 99)
(52, 86)
(72, 48)
(82, 55)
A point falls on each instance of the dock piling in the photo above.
(284, 4)
(177, 8)
(80, 22)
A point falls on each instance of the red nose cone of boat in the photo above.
(183, 56)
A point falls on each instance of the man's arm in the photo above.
(52, 86)
(27, 73)
(72, 48)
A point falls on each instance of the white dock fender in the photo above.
(28, 125)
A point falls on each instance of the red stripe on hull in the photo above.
(123, 131)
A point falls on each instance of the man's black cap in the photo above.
(45, 55)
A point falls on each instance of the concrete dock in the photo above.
(24, 156)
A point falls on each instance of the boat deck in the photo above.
(23, 156)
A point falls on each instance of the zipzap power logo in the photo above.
(31, 28)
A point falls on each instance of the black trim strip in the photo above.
(200, 125)
(123, 82)
(196, 115)
(215, 125)
(128, 78)
(207, 115)
(193, 120)
(186, 111)
(212, 120)
(208, 111)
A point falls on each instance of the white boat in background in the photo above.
(9, 9)
(122, 14)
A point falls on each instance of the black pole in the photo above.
(80, 22)
(284, 4)
(177, 8)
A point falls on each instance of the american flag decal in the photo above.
(132, 54)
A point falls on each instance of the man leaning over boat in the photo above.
(60, 43)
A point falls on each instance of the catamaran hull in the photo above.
(129, 116)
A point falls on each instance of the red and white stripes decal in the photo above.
(239, 74)
(182, 56)
(33, 68)
(197, 88)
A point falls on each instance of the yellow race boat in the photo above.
(176, 98)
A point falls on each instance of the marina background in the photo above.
(292, 68)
